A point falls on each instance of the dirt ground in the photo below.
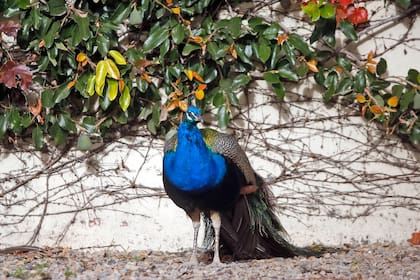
(373, 261)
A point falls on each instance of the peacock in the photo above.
(206, 173)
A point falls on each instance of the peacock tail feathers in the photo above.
(253, 230)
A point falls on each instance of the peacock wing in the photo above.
(170, 144)
(227, 146)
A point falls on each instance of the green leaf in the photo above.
(240, 81)
(244, 53)
(66, 123)
(101, 72)
(403, 3)
(275, 56)
(136, 16)
(189, 48)
(235, 27)
(36, 18)
(279, 90)
(219, 99)
(112, 89)
(412, 76)
(312, 10)
(103, 43)
(300, 44)
(15, 121)
(381, 67)
(151, 127)
(271, 32)
(156, 37)
(83, 26)
(264, 52)
(254, 22)
(397, 90)
(222, 117)
(302, 70)
(164, 48)
(331, 84)
(319, 76)
(57, 7)
(344, 63)
(416, 101)
(360, 81)
(178, 34)
(290, 54)
(61, 93)
(76, 37)
(142, 85)
(406, 99)
(271, 77)
(90, 86)
(89, 123)
(379, 85)
(233, 99)
(348, 29)
(4, 122)
(379, 100)
(52, 54)
(58, 134)
(38, 137)
(344, 87)
(226, 84)
(209, 74)
(324, 28)
(415, 136)
(121, 12)
(26, 120)
(215, 51)
(288, 74)
(327, 10)
(84, 143)
(47, 98)
(125, 99)
(51, 34)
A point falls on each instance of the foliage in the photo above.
(96, 76)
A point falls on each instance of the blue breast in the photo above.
(192, 166)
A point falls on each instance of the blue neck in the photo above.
(193, 166)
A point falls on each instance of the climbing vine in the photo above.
(78, 69)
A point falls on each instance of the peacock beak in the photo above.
(198, 119)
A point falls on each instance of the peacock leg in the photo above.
(216, 220)
(195, 218)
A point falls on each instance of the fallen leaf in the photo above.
(9, 27)
(10, 70)
(415, 238)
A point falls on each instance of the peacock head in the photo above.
(193, 115)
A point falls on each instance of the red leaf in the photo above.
(340, 14)
(9, 27)
(357, 15)
(345, 3)
(415, 238)
(11, 71)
